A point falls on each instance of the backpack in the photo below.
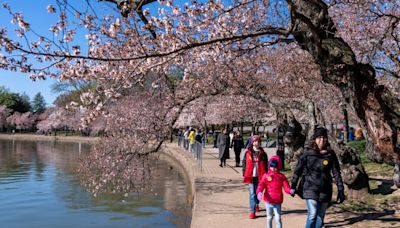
(300, 186)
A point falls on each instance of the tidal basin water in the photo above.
(39, 187)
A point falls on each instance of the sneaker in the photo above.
(252, 215)
(220, 165)
(257, 208)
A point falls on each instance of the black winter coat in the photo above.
(237, 143)
(318, 169)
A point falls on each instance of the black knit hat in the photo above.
(320, 131)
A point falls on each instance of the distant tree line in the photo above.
(18, 113)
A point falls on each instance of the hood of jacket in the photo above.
(278, 159)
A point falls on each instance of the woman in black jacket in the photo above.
(318, 163)
(238, 145)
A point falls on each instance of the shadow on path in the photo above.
(354, 218)
(385, 188)
(288, 212)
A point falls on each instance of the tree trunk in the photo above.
(377, 108)
(396, 175)
(282, 124)
(346, 124)
(294, 141)
(205, 132)
(353, 172)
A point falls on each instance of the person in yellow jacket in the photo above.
(359, 134)
(191, 139)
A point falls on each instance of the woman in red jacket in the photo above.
(273, 182)
(255, 162)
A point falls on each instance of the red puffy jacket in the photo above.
(248, 165)
(272, 182)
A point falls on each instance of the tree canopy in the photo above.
(38, 103)
(282, 53)
(14, 101)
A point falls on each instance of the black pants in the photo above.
(225, 156)
(237, 156)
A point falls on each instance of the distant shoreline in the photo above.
(33, 137)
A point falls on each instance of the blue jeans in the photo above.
(253, 196)
(315, 213)
(275, 211)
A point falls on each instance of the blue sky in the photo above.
(35, 12)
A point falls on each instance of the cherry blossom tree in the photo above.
(223, 109)
(22, 121)
(220, 47)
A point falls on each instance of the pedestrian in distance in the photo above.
(266, 137)
(254, 165)
(191, 137)
(223, 146)
(316, 165)
(238, 145)
(198, 136)
(215, 137)
(186, 138)
(270, 189)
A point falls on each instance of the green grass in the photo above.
(391, 200)
(373, 184)
(357, 206)
(372, 168)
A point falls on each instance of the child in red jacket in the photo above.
(273, 182)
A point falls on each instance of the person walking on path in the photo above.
(186, 138)
(191, 137)
(318, 162)
(270, 187)
(215, 137)
(255, 164)
(238, 145)
(266, 137)
(223, 146)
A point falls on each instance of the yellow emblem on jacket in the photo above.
(325, 162)
(269, 178)
(249, 157)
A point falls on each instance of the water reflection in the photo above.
(38, 183)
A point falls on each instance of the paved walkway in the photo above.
(222, 198)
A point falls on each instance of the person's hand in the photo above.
(259, 196)
(340, 196)
(292, 192)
